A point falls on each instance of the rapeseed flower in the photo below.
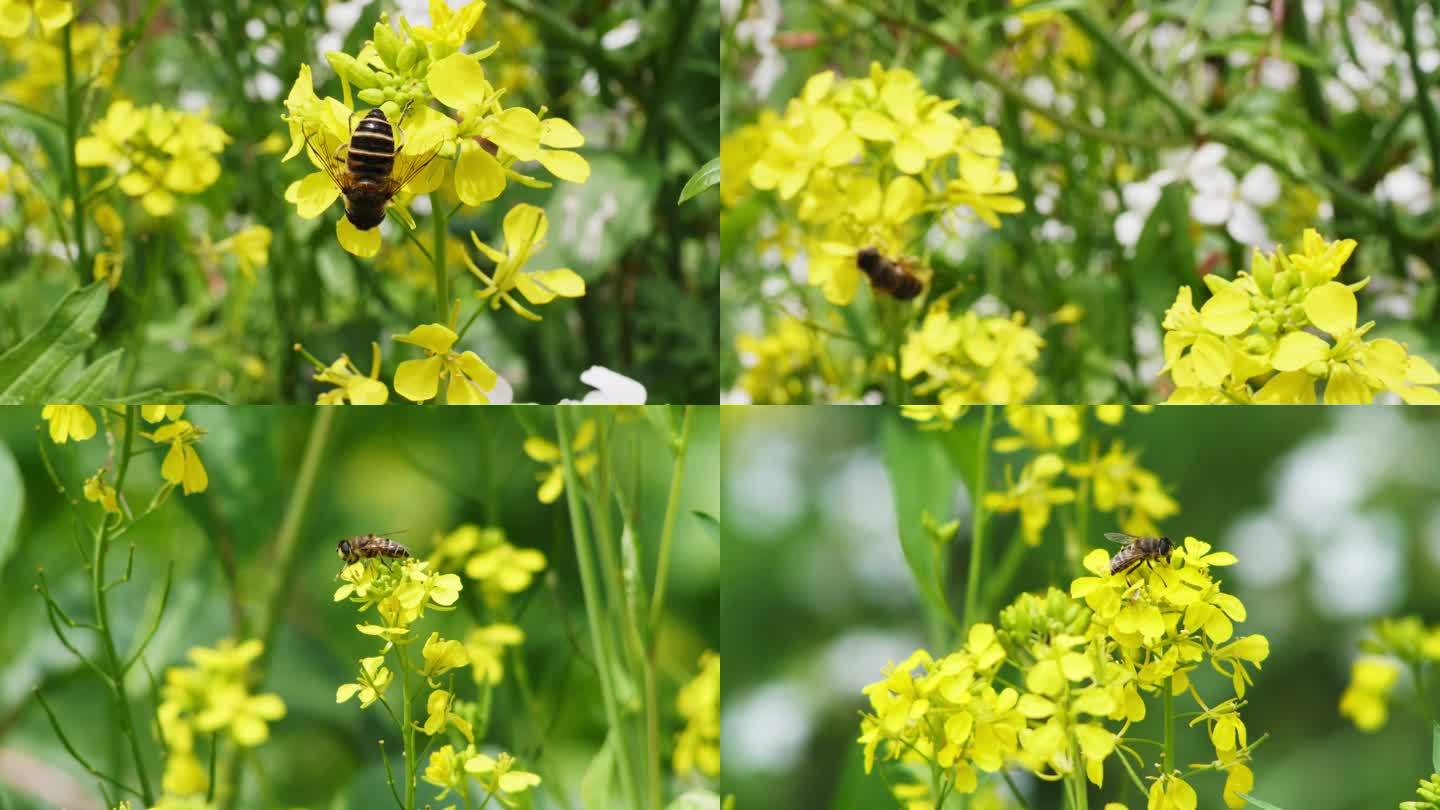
(15, 16)
(697, 746)
(471, 381)
(182, 466)
(350, 384)
(1273, 334)
(68, 422)
(98, 491)
(525, 227)
(485, 647)
(968, 359)
(374, 679)
(778, 363)
(154, 153)
(499, 776)
(1033, 495)
(552, 481)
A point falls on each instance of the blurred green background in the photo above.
(385, 470)
(1333, 512)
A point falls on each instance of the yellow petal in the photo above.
(1331, 306)
(567, 166)
(458, 81)
(432, 337)
(419, 380)
(315, 193)
(479, 178)
(1298, 350)
(557, 133)
(1228, 312)
(364, 244)
(542, 287)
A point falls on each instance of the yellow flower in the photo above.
(156, 152)
(213, 696)
(505, 567)
(1364, 700)
(968, 359)
(441, 656)
(159, 413)
(352, 386)
(1170, 792)
(97, 491)
(1042, 427)
(419, 380)
(777, 364)
(68, 422)
(449, 27)
(182, 466)
(697, 746)
(15, 16)
(438, 714)
(251, 247)
(525, 228)
(552, 482)
(485, 647)
(374, 678)
(445, 770)
(1033, 495)
(1238, 779)
(499, 775)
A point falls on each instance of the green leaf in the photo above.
(1263, 45)
(709, 523)
(709, 175)
(592, 225)
(1434, 735)
(695, 800)
(157, 396)
(28, 369)
(92, 383)
(922, 481)
(12, 502)
(1263, 805)
(595, 785)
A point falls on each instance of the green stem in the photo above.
(409, 730)
(287, 537)
(1190, 116)
(442, 274)
(672, 509)
(102, 610)
(978, 516)
(72, 128)
(1168, 706)
(600, 638)
(1405, 14)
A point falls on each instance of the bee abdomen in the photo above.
(888, 276)
(372, 146)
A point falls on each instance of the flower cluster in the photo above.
(212, 697)
(403, 72)
(1429, 793)
(968, 358)
(552, 481)
(863, 162)
(399, 592)
(1393, 644)
(487, 557)
(1088, 665)
(778, 364)
(154, 153)
(452, 770)
(697, 746)
(15, 16)
(1271, 335)
(38, 62)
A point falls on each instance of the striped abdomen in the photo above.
(372, 147)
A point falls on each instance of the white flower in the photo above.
(1407, 189)
(1140, 199)
(611, 388)
(1219, 200)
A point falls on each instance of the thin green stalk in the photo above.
(287, 537)
(590, 585)
(102, 610)
(442, 273)
(978, 516)
(409, 729)
(72, 128)
(1168, 705)
(672, 509)
(1405, 14)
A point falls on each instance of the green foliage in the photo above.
(28, 370)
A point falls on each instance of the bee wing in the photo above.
(1121, 538)
(408, 167)
(324, 148)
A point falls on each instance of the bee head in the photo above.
(1166, 544)
(343, 549)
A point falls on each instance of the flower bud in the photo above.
(349, 68)
(374, 96)
(409, 55)
(387, 42)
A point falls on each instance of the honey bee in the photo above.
(888, 275)
(1137, 550)
(369, 170)
(355, 549)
